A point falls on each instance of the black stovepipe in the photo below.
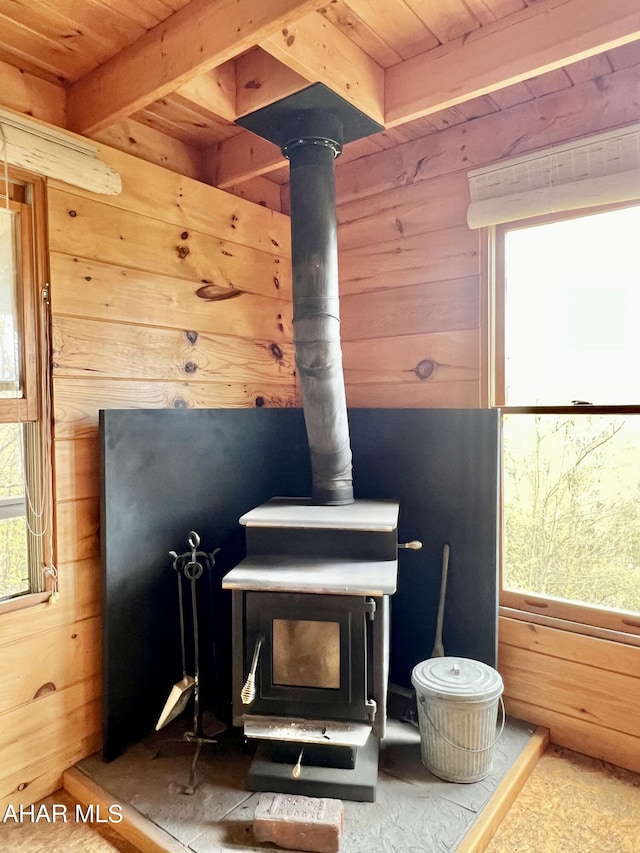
(314, 140)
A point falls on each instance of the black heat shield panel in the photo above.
(442, 467)
(166, 472)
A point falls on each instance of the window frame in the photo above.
(27, 197)
(620, 626)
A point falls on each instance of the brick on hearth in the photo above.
(299, 823)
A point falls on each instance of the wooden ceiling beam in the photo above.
(319, 52)
(200, 36)
(309, 51)
(233, 161)
(545, 36)
(262, 80)
(214, 90)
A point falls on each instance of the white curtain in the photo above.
(45, 150)
(595, 170)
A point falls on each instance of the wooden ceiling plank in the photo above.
(555, 33)
(261, 79)
(361, 33)
(53, 56)
(197, 38)
(403, 30)
(447, 19)
(214, 90)
(488, 11)
(319, 52)
(100, 31)
(148, 13)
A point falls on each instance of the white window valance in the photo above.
(46, 151)
(595, 170)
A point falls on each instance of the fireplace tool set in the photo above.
(191, 565)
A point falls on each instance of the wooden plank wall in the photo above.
(174, 294)
(171, 294)
(412, 297)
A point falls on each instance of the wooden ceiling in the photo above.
(166, 79)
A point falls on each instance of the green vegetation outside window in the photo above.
(567, 351)
(25, 474)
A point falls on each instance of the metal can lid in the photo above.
(460, 678)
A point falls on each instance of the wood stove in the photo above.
(310, 601)
(311, 637)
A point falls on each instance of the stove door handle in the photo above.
(248, 692)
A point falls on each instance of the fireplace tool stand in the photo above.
(191, 564)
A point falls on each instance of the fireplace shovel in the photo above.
(181, 690)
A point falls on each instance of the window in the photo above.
(567, 378)
(25, 468)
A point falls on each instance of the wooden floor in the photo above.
(570, 804)
(573, 804)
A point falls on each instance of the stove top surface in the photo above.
(301, 513)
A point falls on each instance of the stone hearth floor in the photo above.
(414, 810)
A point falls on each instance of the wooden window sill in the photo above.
(23, 602)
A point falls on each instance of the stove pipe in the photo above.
(313, 141)
(310, 127)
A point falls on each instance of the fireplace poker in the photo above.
(438, 648)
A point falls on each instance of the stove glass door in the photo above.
(314, 661)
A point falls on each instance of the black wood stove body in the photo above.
(311, 643)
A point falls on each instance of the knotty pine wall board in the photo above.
(43, 726)
(392, 395)
(76, 463)
(79, 399)
(404, 211)
(26, 93)
(453, 357)
(78, 529)
(136, 139)
(81, 581)
(178, 200)
(152, 353)
(63, 656)
(43, 775)
(440, 255)
(81, 227)
(438, 306)
(89, 288)
(585, 689)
